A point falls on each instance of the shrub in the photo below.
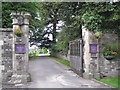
(45, 50)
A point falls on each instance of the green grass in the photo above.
(65, 62)
(33, 58)
(37, 54)
(115, 81)
(47, 54)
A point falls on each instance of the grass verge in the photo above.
(65, 62)
(114, 81)
(32, 58)
(47, 54)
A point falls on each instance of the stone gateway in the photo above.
(14, 51)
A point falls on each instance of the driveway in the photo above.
(47, 73)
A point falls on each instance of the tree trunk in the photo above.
(54, 29)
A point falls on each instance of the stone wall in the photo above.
(59, 55)
(90, 64)
(20, 48)
(14, 51)
(6, 39)
(109, 68)
(98, 67)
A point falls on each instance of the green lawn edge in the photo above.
(65, 62)
(33, 58)
(113, 81)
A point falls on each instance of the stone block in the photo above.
(88, 75)
(28, 77)
(97, 75)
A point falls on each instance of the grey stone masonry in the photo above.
(98, 66)
(14, 65)
(6, 69)
(20, 60)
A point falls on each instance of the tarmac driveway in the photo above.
(47, 73)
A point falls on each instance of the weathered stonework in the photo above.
(20, 60)
(59, 55)
(14, 66)
(93, 67)
(109, 68)
(98, 67)
(6, 54)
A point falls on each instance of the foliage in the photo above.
(65, 62)
(97, 17)
(71, 29)
(8, 7)
(102, 16)
(32, 56)
(92, 21)
(40, 51)
(98, 35)
(47, 54)
(109, 13)
(64, 37)
(111, 50)
(49, 13)
(45, 50)
(114, 81)
(18, 31)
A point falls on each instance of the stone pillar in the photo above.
(91, 59)
(20, 47)
(1, 43)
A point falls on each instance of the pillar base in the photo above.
(28, 77)
(96, 75)
(88, 75)
(19, 79)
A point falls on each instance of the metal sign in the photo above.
(93, 55)
(93, 48)
(20, 48)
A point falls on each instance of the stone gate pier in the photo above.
(14, 51)
(20, 47)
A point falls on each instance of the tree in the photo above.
(102, 16)
(109, 13)
(8, 7)
(50, 15)
(36, 26)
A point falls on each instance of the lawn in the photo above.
(65, 62)
(33, 56)
(115, 81)
(47, 54)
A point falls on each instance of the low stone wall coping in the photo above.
(6, 29)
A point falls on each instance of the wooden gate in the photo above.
(76, 60)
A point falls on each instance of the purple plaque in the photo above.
(20, 48)
(93, 55)
(93, 48)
